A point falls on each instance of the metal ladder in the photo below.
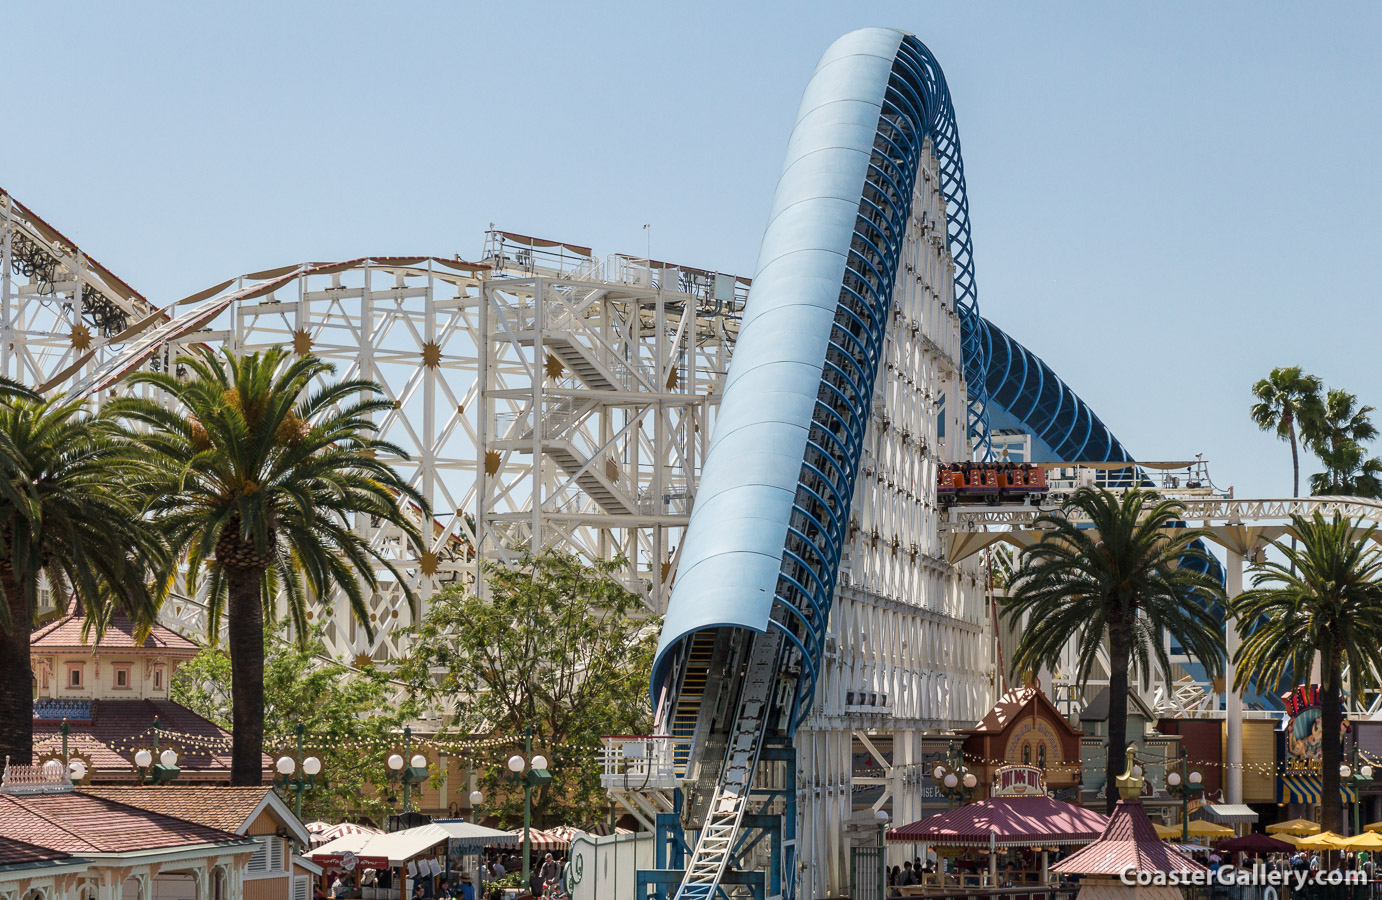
(721, 829)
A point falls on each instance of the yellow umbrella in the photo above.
(1326, 840)
(1167, 831)
(1209, 829)
(1297, 826)
(1287, 839)
(1375, 826)
(1368, 840)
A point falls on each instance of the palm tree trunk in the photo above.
(1331, 746)
(16, 678)
(1119, 656)
(245, 616)
(1295, 464)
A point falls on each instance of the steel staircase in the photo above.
(687, 711)
(718, 835)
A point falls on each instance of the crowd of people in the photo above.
(545, 880)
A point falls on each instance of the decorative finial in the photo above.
(1130, 782)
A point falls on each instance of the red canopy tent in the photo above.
(1036, 821)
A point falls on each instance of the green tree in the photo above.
(1323, 599)
(66, 517)
(343, 710)
(1288, 402)
(1120, 584)
(557, 644)
(257, 479)
(1338, 439)
(1348, 472)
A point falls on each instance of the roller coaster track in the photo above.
(763, 546)
(969, 519)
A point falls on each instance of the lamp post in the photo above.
(535, 776)
(882, 816)
(416, 771)
(1360, 777)
(165, 770)
(299, 784)
(76, 768)
(953, 779)
(1184, 785)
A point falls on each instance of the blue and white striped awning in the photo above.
(1306, 789)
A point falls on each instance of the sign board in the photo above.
(1303, 729)
(1019, 781)
(349, 862)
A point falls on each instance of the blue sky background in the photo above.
(1168, 199)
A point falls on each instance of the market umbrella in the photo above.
(1287, 839)
(1200, 828)
(1257, 843)
(1325, 840)
(1167, 831)
(1297, 826)
(1368, 840)
(1375, 826)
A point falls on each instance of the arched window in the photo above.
(1041, 757)
(1026, 754)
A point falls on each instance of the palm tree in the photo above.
(1120, 584)
(257, 481)
(65, 517)
(1288, 402)
(1324, 598)
(1348, 472)
(1343, 428)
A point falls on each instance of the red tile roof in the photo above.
(14, 852)
(1006, 822)
(120, 727)
(215, 806)
(76, 823)
(1009, 706)
(1130, 840)
(65, 633)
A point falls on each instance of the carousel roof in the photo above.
(1129, 841)
(1007, 822)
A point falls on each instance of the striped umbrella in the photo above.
(343, 829)
(542, 841)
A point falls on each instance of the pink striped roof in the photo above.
(1128, 841)
(1006, 822)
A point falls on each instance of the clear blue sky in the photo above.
(1168, 199)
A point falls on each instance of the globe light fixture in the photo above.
(419, 761)
(1173, 778)
(951, 781)
(287, 765)
(53, 768)
(76, 769)
(970, 780)
(539, 762)
(515, 764)
(143, 759)
(395, 762)
(1365, 771)
(1196, 778)
(476, 798)
(1345, 771)
(938, 772)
